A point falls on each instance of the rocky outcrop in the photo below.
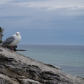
(18, 69)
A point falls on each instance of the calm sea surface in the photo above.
(69, 57)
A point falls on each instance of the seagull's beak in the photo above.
(17, 34)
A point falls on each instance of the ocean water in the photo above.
(70, 58)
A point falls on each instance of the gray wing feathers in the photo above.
(8, 41)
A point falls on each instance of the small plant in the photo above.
(0, 41)
(0, 29)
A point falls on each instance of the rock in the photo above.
(4, 79)
(19, 69)
(28, 81)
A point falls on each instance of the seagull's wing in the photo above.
(8, 41)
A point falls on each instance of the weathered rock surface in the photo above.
(18, 69)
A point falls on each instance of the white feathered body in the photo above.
(16, 41)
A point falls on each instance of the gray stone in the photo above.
(28, 81)
(20, 69)
(4, 79)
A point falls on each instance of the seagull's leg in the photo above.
(12, 48)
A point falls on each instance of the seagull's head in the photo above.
(17, 33)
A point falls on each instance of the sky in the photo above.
(50, 22)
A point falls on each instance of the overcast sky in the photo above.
(56, 22)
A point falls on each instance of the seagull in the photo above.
(12, 40)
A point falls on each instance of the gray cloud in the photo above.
(61, 7)
(53, 4)
(5, 1)
(44, 21)
(41, 14)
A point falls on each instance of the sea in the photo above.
(70, 58)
